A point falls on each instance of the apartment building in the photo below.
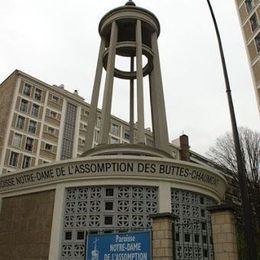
(249, 13)
(40, 123)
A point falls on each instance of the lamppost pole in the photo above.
(246, 205)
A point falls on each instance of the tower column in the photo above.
(92, 118)
(140, 89)
(108, 91)
(160, 129)
(131, 123)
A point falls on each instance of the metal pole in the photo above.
(246, 205)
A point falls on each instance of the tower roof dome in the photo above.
(128, 11)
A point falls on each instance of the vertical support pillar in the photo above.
(57, 220)
(108, 91)
(163, 236)
(131, 123)
(140, 90)
(161, 138)
(224, 232)
(165, 192)
(94, 99)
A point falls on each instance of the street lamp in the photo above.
(246, 205)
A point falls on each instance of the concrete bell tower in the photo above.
(131, 32)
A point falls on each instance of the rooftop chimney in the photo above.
(185, 148)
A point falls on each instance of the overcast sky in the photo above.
(57, 42)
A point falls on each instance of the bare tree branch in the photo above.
(223, 153)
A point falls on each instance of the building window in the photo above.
(55, 98)
(26, 161)
(196, 238)
(108, 220)
(115, 129)
(32, 127)
(127, 134)
(257, 42)
(13, 161)
(249, 5)
(29, 144)
(96, 135)
(109, 205)
(84, 112)
(24, 105)
(205, 253)
(27, 89)
(35, 110)
(17, 139)
(48, 147)
(254, 22)
(20, 122)
(114, 140)
(187, 238)
(109, 192)
(80, 235)
(37, 94)
(203, 226)
(68, 235)
(98, 122)
(50, 130)
(53, 114)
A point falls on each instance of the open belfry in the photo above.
(131, 32)
(120, 201)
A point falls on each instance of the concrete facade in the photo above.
(5, 108)
(249, 14)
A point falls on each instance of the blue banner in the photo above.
(119, 246)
